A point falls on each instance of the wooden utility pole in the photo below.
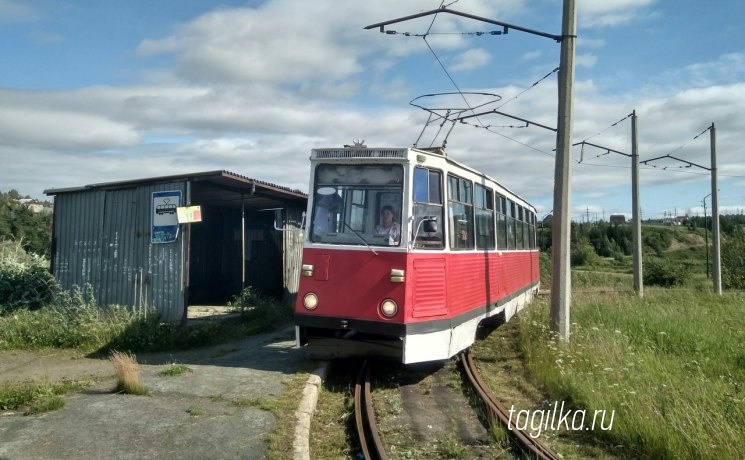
(561, 282)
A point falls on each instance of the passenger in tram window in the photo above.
(388, 226)
(463, 237)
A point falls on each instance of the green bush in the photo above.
(733, 261)
(665, 273)
(656, 239)
(584, 254)
(25, 281)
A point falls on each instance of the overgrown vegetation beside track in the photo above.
(36, 313)
(72, 320)
(671, 366)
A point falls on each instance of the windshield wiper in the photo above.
(359, 236)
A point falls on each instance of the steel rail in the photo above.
(498, 412)
(364, 415)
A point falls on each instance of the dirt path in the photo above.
(52, 366)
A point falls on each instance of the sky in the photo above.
(96, 91)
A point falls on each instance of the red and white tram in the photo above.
(458, 248)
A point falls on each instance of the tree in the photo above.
(19, 223)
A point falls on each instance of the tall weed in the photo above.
(670, 365)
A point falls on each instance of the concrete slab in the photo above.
(189, 416)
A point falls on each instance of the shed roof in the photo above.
(213, 185)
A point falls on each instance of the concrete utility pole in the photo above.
(706, 235)
(715, 249)
(561, 282)
(714, 202)
(636, 211)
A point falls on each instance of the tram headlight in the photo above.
(388, 308)
(310, 301)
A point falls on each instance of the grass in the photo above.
(173, 370)
(332, 423)
(128, 373)
(452, 447)
(31, 397)
(284, 409)
(195, 412)
(75, 321)
(670, 365)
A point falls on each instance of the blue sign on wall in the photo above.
(165, 220)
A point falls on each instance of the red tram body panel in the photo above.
(457, 248)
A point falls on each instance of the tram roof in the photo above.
(358, 152)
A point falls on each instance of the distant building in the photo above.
(125, 239)
(675, 220)
(36, 206)
(617, 219)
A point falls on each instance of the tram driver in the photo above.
(389, 227)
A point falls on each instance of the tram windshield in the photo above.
(358, 204)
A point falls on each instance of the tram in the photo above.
(406, 251)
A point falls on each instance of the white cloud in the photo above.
(584, 42)
(245, 45)
(727, 68)
(62, 130)
(280, 42)
(585, 60)
(12, 10)
(609, 13)
(470, 60)
(531, 55)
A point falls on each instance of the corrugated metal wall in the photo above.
(102, 238)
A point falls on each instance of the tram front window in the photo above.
(357, 204)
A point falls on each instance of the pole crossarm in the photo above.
(601, 147)
(505, 26)
(689, 163)
(528, 122)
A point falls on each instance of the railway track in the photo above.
(498, 412)
(364, 415)
(371, 443)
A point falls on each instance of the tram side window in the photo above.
(532, 231)
(511, 244)
(526, 229)
(428, 207)
(460, 213)
(501, 222)
(484, 202)
(519, 227)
